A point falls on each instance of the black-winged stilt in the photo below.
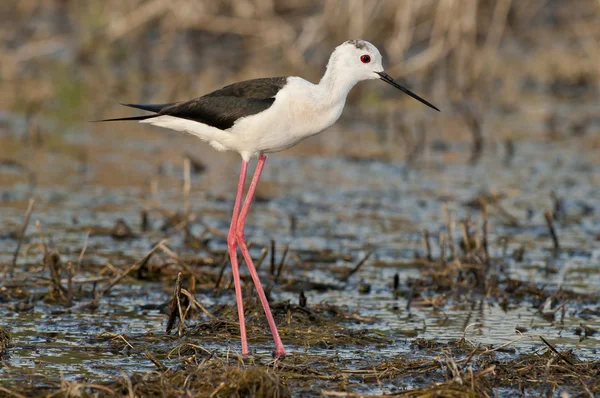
(261, 116)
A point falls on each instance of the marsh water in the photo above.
(332, 200)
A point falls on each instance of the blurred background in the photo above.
(67, 62)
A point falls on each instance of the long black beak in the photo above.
(388, 79)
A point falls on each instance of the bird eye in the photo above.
(365, 59)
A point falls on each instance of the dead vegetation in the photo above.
(458, 368)
(213, 378)
(187, 363)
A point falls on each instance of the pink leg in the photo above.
(232, 248)
(279, 349)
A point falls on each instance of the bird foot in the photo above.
(279, 353)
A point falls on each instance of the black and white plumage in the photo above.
(221, 108)
(267, 115)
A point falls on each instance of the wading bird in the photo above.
(262, 116)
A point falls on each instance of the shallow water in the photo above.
(343, 204)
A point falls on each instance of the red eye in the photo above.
(365, 59)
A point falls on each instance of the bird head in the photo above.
(360, 60)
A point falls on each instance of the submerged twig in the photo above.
(71, 272)
(357, 266)
(222, 271)
(196, 303)
(134, 267)
(69, 284)
(554, 350)
(484, 231)
(302, 299)
(261, 259)
(442, 239)
(427, 245)
(552, 230)
(116, 336)
(155, 361)
(282, 262)
(272, 256)
(83, 249)
(145, 222)
(185, 266)
(450, 227)
(21, 238)
(52, 261)
(175, 308)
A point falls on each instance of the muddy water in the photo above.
(317, 197)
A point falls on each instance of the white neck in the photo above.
(335, 85)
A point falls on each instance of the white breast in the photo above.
(297, 113)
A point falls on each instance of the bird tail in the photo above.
(125, 118)
(156, 108)
(150, 107)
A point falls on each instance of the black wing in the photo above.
(221, 108)
(219, 112)
(266, 87)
